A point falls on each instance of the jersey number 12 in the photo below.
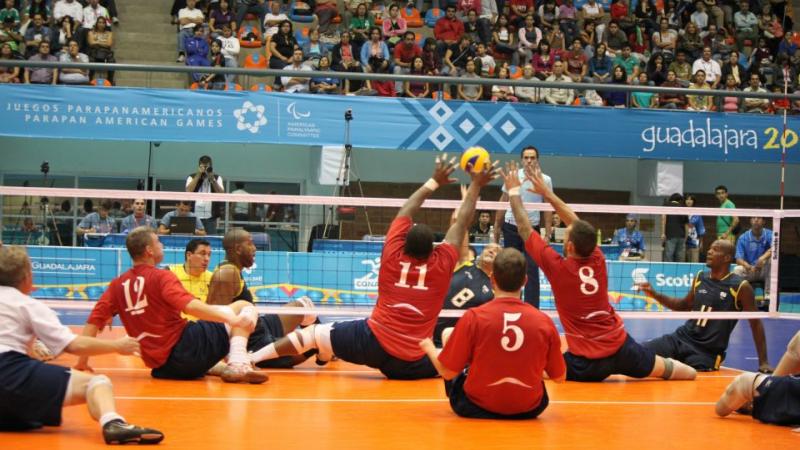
(137, 307)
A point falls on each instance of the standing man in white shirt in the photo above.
(205, 180)
(91, 13)
(506, 223)
(34, 393)
(68, 8)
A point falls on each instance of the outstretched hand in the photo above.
(443, 169)
(647, 288)
(534, 173)
(127, 346)
(510, 178)
(486, 175)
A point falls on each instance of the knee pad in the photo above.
(668, 368)
(302, 340)
(322, 336)
(309, 318)
(98, 380)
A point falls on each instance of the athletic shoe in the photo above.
(243, 373)
(180, 59)
(738, 393)
(119, 432)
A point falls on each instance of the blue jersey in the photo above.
(711, 295)
(633, 240)
(750, 248)
(469, 287)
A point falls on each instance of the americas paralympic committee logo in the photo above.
(247, 109)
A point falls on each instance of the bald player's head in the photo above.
(239, 247)
(720, 255)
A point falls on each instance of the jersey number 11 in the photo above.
(403, 283)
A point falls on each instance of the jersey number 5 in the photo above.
(519, 338)
(137, 307)
(403, 283)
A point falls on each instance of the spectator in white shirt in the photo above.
(68, 8)
(559, 96)
(273, 19)
(91, 13)
(700, 16)
(73, 55)
(188, 19)
(294, 84)
(711, 68)
(755, 105)
(230, 50)
(205, 180)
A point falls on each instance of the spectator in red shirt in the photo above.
(598, 344)
(448, 30)
(518, 9)
(414, 279)
(508, 345)
(404, 54)
(150, 301)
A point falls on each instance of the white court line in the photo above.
(389, 400)
(325, 372)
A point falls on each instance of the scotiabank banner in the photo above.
(135, 114)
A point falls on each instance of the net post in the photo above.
(774, 264)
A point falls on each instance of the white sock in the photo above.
(108, 417)
(264, 353)
(238, 351)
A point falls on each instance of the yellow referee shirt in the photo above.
(197, 286)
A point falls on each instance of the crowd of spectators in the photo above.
(728, 45)
(57, 30)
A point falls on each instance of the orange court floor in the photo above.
(344, 406)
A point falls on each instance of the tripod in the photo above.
(47, 213)
(342, 187)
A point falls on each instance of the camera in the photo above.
(209, 169)
(45, 167)
(348, 115)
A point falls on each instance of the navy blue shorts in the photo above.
(672, 346)
(465, 407)
(632, 359)
(778, 401)
(201, 346)
(31, 392)
(354, 342)
(268, 330)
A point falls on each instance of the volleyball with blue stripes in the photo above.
(475, 159)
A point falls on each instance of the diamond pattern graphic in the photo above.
(441, 138)
(441, 112)
(508, 128)
(466, 126)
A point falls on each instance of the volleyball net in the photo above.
(328, 248)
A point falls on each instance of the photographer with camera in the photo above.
(205, 180)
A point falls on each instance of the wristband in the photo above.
(431, 184)
(513, 191)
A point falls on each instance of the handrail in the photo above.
(392, 77)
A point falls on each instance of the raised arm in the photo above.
(675, 304)
(441, 176)
(513, 185)
(540, 187)
(455, 235)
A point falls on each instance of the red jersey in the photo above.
(410, 293)
(507, 345)
(580, 286)
(149, 302)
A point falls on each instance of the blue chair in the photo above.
(261, 241)
(432, 16)
(301, 36)
(294, 17)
